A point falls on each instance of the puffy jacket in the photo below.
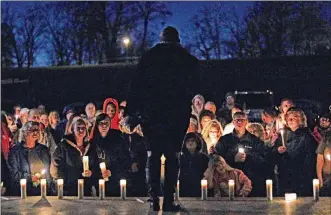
(19, 167)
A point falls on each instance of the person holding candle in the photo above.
(285, 105)
(252, 161)
(211, 134)
(112, 149)
(323, 167)
(193, 163)
(67, 160)
(296, 160)
(27, 159)
(218, 175)
(138, 146)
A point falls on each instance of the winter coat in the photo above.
(115, 121)
(6, 140)
(67, 164)
(137, 148)
(60, 131)
(254, 166)
(113, 150)
(192, 168)
(296, 166)
(19, 167)
(166, 80)
(4, 173)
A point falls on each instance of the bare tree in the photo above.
(149, 12)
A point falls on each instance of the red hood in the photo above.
(115, 121)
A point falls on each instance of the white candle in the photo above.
(103, 169)
(204, 190)
(85, 163)
(162, 167)
(282, 133)
(80, 188)
(231, 190)
(43, 188)
(123, 189)
(101, 189)
(290, 197)
(177, 191)
(328, 157)
(43, 171)
(60, 188)
(241, 150)
(316, 189)
(269, 189)
(23, 188)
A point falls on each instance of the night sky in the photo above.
(182, 12)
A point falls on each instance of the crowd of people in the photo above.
(220, 144)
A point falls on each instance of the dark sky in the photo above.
(182, 12)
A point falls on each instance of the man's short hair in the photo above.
(207, 113)
(242, 114)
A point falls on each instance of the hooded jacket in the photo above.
(297, 166)
(19, 167)
(67, 163)
(6, 140)
(115, 122)
(192, 168)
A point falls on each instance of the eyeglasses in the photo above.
(239, 120)
(34, 130)
(81, 128)
(104, 124)
(325, 119)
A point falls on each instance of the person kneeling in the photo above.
(218, 175)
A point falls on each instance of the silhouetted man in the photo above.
(160, 94)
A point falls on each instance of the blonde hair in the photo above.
(258, 127)
(212, 124)
(298, 114)
(54, 114)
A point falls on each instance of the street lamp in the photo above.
(126, 42)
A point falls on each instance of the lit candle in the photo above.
(60, 188)
(316, 189)
(85, 163)
(23, 188)
(177, 191)
(123, 189)
(328, 157)
(282, 133)
(43, 187)
(162, 167)
(204, 189)
(231, 190)
(241, 150)
(269, 189)
(103, 169)
(101, 189)
(290, 197)
(80, 188)
(43, 171)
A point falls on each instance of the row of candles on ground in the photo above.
(43, 187)
(204, 188)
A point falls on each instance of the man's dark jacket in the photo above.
(166, 81)
(255, 164)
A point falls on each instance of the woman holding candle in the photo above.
(296, 160)
(27, 159)
(218, 175)
(193, 163)
(323, 166)
(68, 162)
(111, 149)
(211, 135)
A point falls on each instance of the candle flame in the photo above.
(328, 156)
(43, 171)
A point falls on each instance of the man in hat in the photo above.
(166, 80)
